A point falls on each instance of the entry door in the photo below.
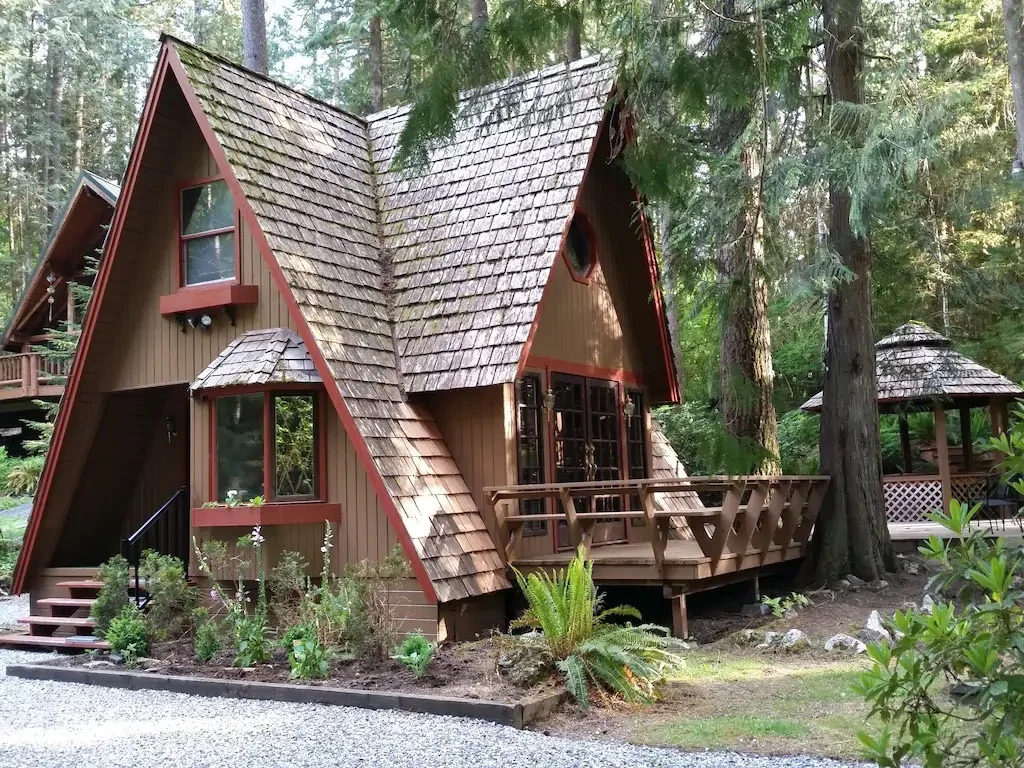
(587, 447)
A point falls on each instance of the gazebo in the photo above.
(918, 370)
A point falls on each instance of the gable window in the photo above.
(581, 248)
(530, 435)
(267, 444)
(207, 233)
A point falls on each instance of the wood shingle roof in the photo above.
(914, 363)
(270, 355)
(470, 243)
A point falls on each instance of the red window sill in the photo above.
(290, 513)
(215, 296)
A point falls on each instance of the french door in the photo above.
(587, 446)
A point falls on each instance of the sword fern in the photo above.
(565, 609)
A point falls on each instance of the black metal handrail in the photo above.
(159, 523)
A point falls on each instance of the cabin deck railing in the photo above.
(753, 513)
(24, 374)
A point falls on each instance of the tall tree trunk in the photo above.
(254, 35)
(479, 18)
(1013, 17)
(55, 131)
(376, 65)
(851, 535)
(574, 34)
(746, 371)
(198, 23)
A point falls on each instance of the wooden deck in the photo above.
(30, 375)
(921, 531)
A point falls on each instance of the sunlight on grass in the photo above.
(725, 731)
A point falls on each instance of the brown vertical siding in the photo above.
(135, 350)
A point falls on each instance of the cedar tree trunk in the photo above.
(254, 35)
(376, 66)
(851, 535)
(573, 36)
(479, 18)
(1013, 16)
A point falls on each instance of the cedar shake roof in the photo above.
(916, 363)
(274, 355)
(474, 233)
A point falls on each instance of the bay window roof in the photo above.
(266, 356)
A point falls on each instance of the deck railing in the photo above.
(22, 375)
(752, 513)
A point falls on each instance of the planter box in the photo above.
(516, 715)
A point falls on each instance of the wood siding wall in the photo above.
(135, 350)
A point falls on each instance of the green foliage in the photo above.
(416, 653)
(780, 606)
(207, 635)
(979, 644)
(307, 658)
(23, 476)
(252, 639)
(113, 595)
(128, 635)
(630, 661)
(171, 598)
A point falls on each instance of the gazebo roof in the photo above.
(914, 363)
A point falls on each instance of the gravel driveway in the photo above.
(46, 724)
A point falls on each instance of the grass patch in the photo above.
(772, 704)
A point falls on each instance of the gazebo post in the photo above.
(966, 440)
(997, 415)
(908, 461)
(942, 449)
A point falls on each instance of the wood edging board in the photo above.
(517, 715)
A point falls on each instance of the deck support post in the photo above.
(680, 626)
(966, 440)
(942, 450)
(908, 459)
(997, 412)
(756, 584)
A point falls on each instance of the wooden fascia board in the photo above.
(60, 429)
(302, 325)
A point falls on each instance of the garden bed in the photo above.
(462, 681)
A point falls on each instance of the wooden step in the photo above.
(58, 621)
(67, 602)
(70, 643)
(81, 584)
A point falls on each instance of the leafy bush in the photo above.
(416, 653)
(980, 645)
(172, 599)
(252, 640)
(575, 634)
(128, 635)
(24, 474)
(308, 659)
(207, 635)
(781, 605)
(113, 595)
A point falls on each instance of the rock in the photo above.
(98, 664)
(843, 584)
(870, 636)
(879, 585)
(876, 630)
(911, 568)
(855, 581)
(927, 604)
(794, 640)
(524, 666)
(789, 614)
(755, 610)
(843, 642)
(909, 605)
(770, 639)
(748, 637)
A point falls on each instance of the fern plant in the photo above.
(573, 632)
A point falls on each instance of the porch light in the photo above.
(628, 408)
(549, 400)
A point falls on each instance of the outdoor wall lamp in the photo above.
(172, 428)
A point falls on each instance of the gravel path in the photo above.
(63, 724)
(12, 609)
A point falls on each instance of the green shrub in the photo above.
(296, 632)
(23, 475)
(113, 595)
(576, 636)
(207, 635)
(128, 635)
(415, 652)
(252, 640)
(980, 644)
(171, 598)
(308, 658)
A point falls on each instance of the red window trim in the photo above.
(269, 392)
(584, 220)
(183, 238)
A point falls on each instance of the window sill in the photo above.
(274, 513)
(214, 296)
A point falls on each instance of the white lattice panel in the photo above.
(908, 501)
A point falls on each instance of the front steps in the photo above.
(62, 622)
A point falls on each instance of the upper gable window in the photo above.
(581, 248)
(207, 233)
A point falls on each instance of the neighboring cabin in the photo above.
(46, 303)
(281, 314)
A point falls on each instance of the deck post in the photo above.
(942, 450)
(908, 460)
(680, 625)
(966, 440)
(997, 415)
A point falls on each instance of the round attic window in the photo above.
(580, 248)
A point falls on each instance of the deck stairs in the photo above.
(61, 622)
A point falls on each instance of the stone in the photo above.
(770, 640)
(748, 637)
(911, 568)
(879, 585)
(98, 664)
(843, 584)
(927, 604)
(843, 642)
(871, 636)
(524, 666)
(755, 610)
(789, 614)
(875, 627)
(794, 640)
(855, 581)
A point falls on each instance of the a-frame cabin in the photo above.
(443, 337)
